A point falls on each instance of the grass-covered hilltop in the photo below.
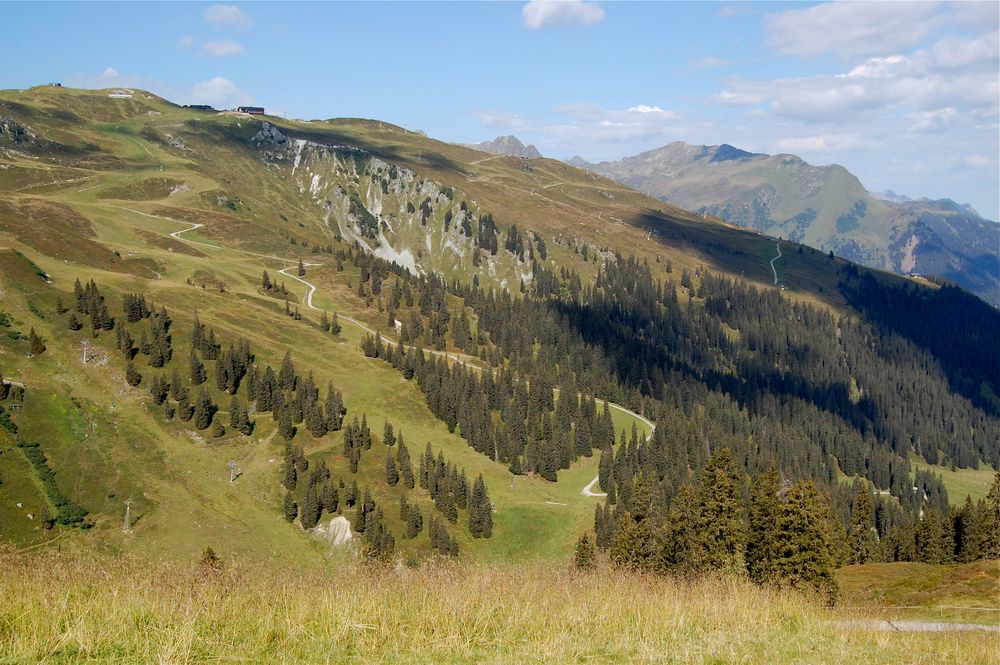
(283, 391)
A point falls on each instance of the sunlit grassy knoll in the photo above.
(57, 610)
(950, 592)
(960, 483)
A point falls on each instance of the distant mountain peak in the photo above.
(508, 145)
(726, 152)
(823, 206)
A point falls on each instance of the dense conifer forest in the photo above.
(787, 389)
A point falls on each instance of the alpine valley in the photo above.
(291, 391)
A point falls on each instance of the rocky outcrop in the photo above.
(391, 211)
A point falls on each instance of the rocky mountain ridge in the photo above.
(508, 146)
(823, 206)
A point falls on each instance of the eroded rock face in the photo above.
(269, 134)
(15, 132)
(338, 533)
(391, 211)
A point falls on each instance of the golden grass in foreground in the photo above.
(57, 610)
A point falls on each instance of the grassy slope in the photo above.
(111, 446)
(58, 609)
(952, 592)
(960, 483)
(107, 444)
(19, 485)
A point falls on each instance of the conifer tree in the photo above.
(722, 514)
(324, 322)
(334, 409)
(198, 374)
(314, 419)
(310, 511)
(35, 344)
(388, 436)
(861, 540)
(404, 506)
(334, 325)
(932, 543)
(289, 472)
(480, 511)
(460, 486)
(365, 433)
(204, 410)
(177, 388)
(302, 268)
(684, 549)
(286, 377)
(184, 408)
(391, 472)
(803, 558)
(585, 558)
(132, 376)
(970, 536)
(239, 419)
(330, 497)
(762, 542)
(197, 332)
(74, 323)
(414, 521)
(364, 507)
(291, 508)
(405, 466)
(285, 426)
(158, 390)
(379, 542)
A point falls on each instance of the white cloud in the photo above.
(937, 121)
(956, 52)
(851, 29)
(110, 73)
(818, 143)
(186, 42)
(539, 14)
(582, 127)
(223, 48)
(643, 108)
(978, 161)
(921, 81)
(227, 15)
(500, 119)
(220, 93)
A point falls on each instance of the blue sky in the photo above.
(905, 95)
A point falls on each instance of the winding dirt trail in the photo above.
(777, 246)
(589, 489)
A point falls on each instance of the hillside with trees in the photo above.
(335, 344)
